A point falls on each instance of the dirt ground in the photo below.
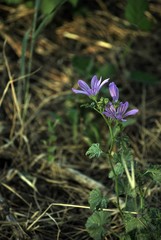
(41, 199)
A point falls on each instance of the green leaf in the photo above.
(89, 105)
(23, 57)
(143, 77)
(106, 70)
(96, 225)
(135, 14)
(118, 168)
(144, 236)
(129, 122)
(50, 158)
(74, 2)
(83, 64)
(95, 197)
(97, 200)
(49, 9)
(29, 4)
(47, 6)
(94, 151)
(125, 237)
(101, 104)
(155, 173)
(155, 226)
(135, 222)
(145, 24)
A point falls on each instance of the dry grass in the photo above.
(39, 200)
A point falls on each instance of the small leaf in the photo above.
(118, 168)
(97, 200)
(96, 225)
(129, 122)
(125, 237)
(155, 173)
(47, 6)
(135, 222)
(145, 24)
(143, 236)
(83, 64)
(74, 2)
(101, 104)
(89, 105)
(135, 14)
(106, 70)
(94, 151)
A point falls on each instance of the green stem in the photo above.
(110, 158)
(37, 3)
(116, 185)
(141, 201)
(27, 82)
(109, 127)
(131, 179)
(127, 172)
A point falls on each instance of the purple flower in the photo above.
(96, 85)
(119, 112)
(114, 91)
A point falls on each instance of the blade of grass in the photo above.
(11, 80)
(27, 84)
(47, 19)
(22, 64)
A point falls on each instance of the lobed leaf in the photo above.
(97, 200)
(155, 173)
(135, 222)
(94, 151)
(96, 225)
(119, 170)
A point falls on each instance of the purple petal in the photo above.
(103, 83)
(131, 112)
(123, 120)
(114, 91)
(84, 86)
(80, 92)
(95, 85)
(110, 111)
(94, 82)
(108, 114)
(122, 108)
(119, 116)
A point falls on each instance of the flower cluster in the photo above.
(96, 85)
(115, 109)
(117, 112)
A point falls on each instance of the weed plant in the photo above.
(139, 220)
(132, 185)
